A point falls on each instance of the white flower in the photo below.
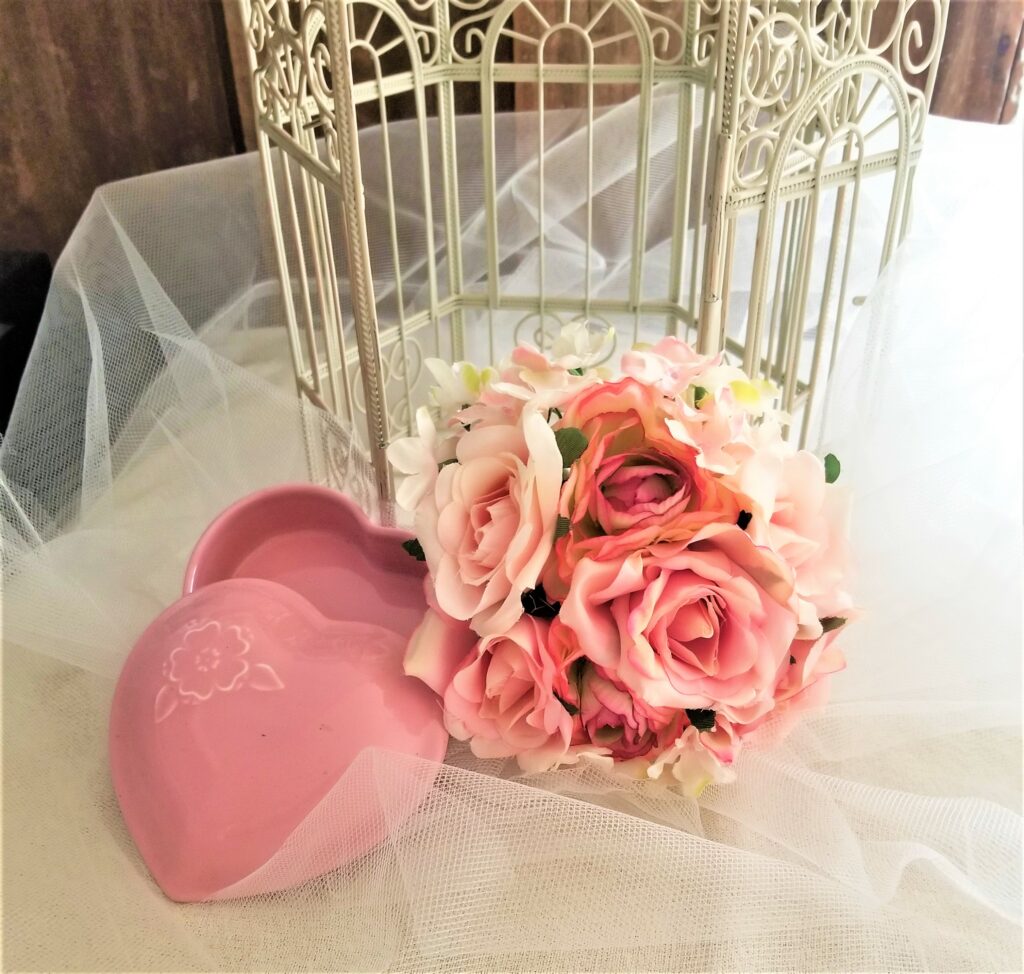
(581, 344)
(417, 458)
(458, 385)
(697, 759)
(753, 397)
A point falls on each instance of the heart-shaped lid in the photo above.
(236, 712)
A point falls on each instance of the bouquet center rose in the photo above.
(640, 570)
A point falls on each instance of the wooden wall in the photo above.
(980, 72)
(98, 90)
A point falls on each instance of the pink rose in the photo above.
(488, 526)
(615, 721)
(802, 685)
(634, 485)
(502, 698)
(705, 624)
(809, 528)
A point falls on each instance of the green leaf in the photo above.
(832, 468)
(703, 720)
(831, 622)
(444, 463)
(562, 526)
(699, 394)
(575, 371)
(571, 444)
(414, 548)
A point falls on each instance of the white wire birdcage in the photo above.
(689, 167)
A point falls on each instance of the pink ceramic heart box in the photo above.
(318, 543)
(243, 704)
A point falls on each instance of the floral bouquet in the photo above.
(636, 569)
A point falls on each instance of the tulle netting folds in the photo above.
(884, 834)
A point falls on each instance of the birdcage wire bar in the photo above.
(782, 110)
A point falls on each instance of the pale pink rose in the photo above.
(805, 520)
(804, 682)
(671, 366)
(703, 624)
(502, 699)
(488, 526)
(809, 527)
(635, 483)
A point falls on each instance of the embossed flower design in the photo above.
(209, 658)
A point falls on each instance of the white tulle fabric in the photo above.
(884, 834)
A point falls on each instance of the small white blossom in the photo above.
(417, 458)
(581, 344)
(458, 385)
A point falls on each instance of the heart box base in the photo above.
(243, 704)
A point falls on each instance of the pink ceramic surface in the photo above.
(320, 544)
(236, 712)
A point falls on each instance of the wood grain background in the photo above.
(99, 90)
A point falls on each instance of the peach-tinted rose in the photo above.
(635, 483)
(704, 624)
(488, 526)
(502, 698)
